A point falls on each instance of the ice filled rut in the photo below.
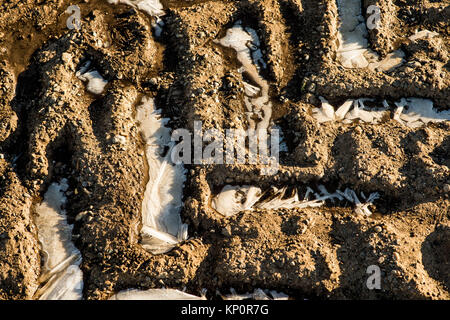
(61, 277)
(245, 42)
(411, 112)
(353, 51)
(234, 199)
(162, 227)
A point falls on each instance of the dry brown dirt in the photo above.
(51, 127)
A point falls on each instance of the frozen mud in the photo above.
(362, 178)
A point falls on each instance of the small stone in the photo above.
(447, 188)
(226, 231)
(119, 139)
(378, 229)
(396, 256)
(66, 57)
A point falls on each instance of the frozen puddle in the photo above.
(353, 51)
(61, 277)
(162, 227)
(246, 44)
(411, 112)
(154, 294)
(95, 82)
(234, 199)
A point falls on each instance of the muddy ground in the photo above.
(51, 127)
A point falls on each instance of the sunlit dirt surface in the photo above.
(52, 127)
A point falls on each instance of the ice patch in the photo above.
(278, 295)
(157, 27)
(152, 7)
(250, 90)
(326, 112)
(154, 294)
(390, 62)
(234, 199)
(258, 294)
(419, 112)
(162, 226)
(241, 41)
(95, 82)
(352, 35)
(278, 200)
(424, 34)
(61, 277)
(361, 208)
(360, 112)
(412, 112)
(254, 46)
(353, 51)
(282, 141)
(246, 44)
